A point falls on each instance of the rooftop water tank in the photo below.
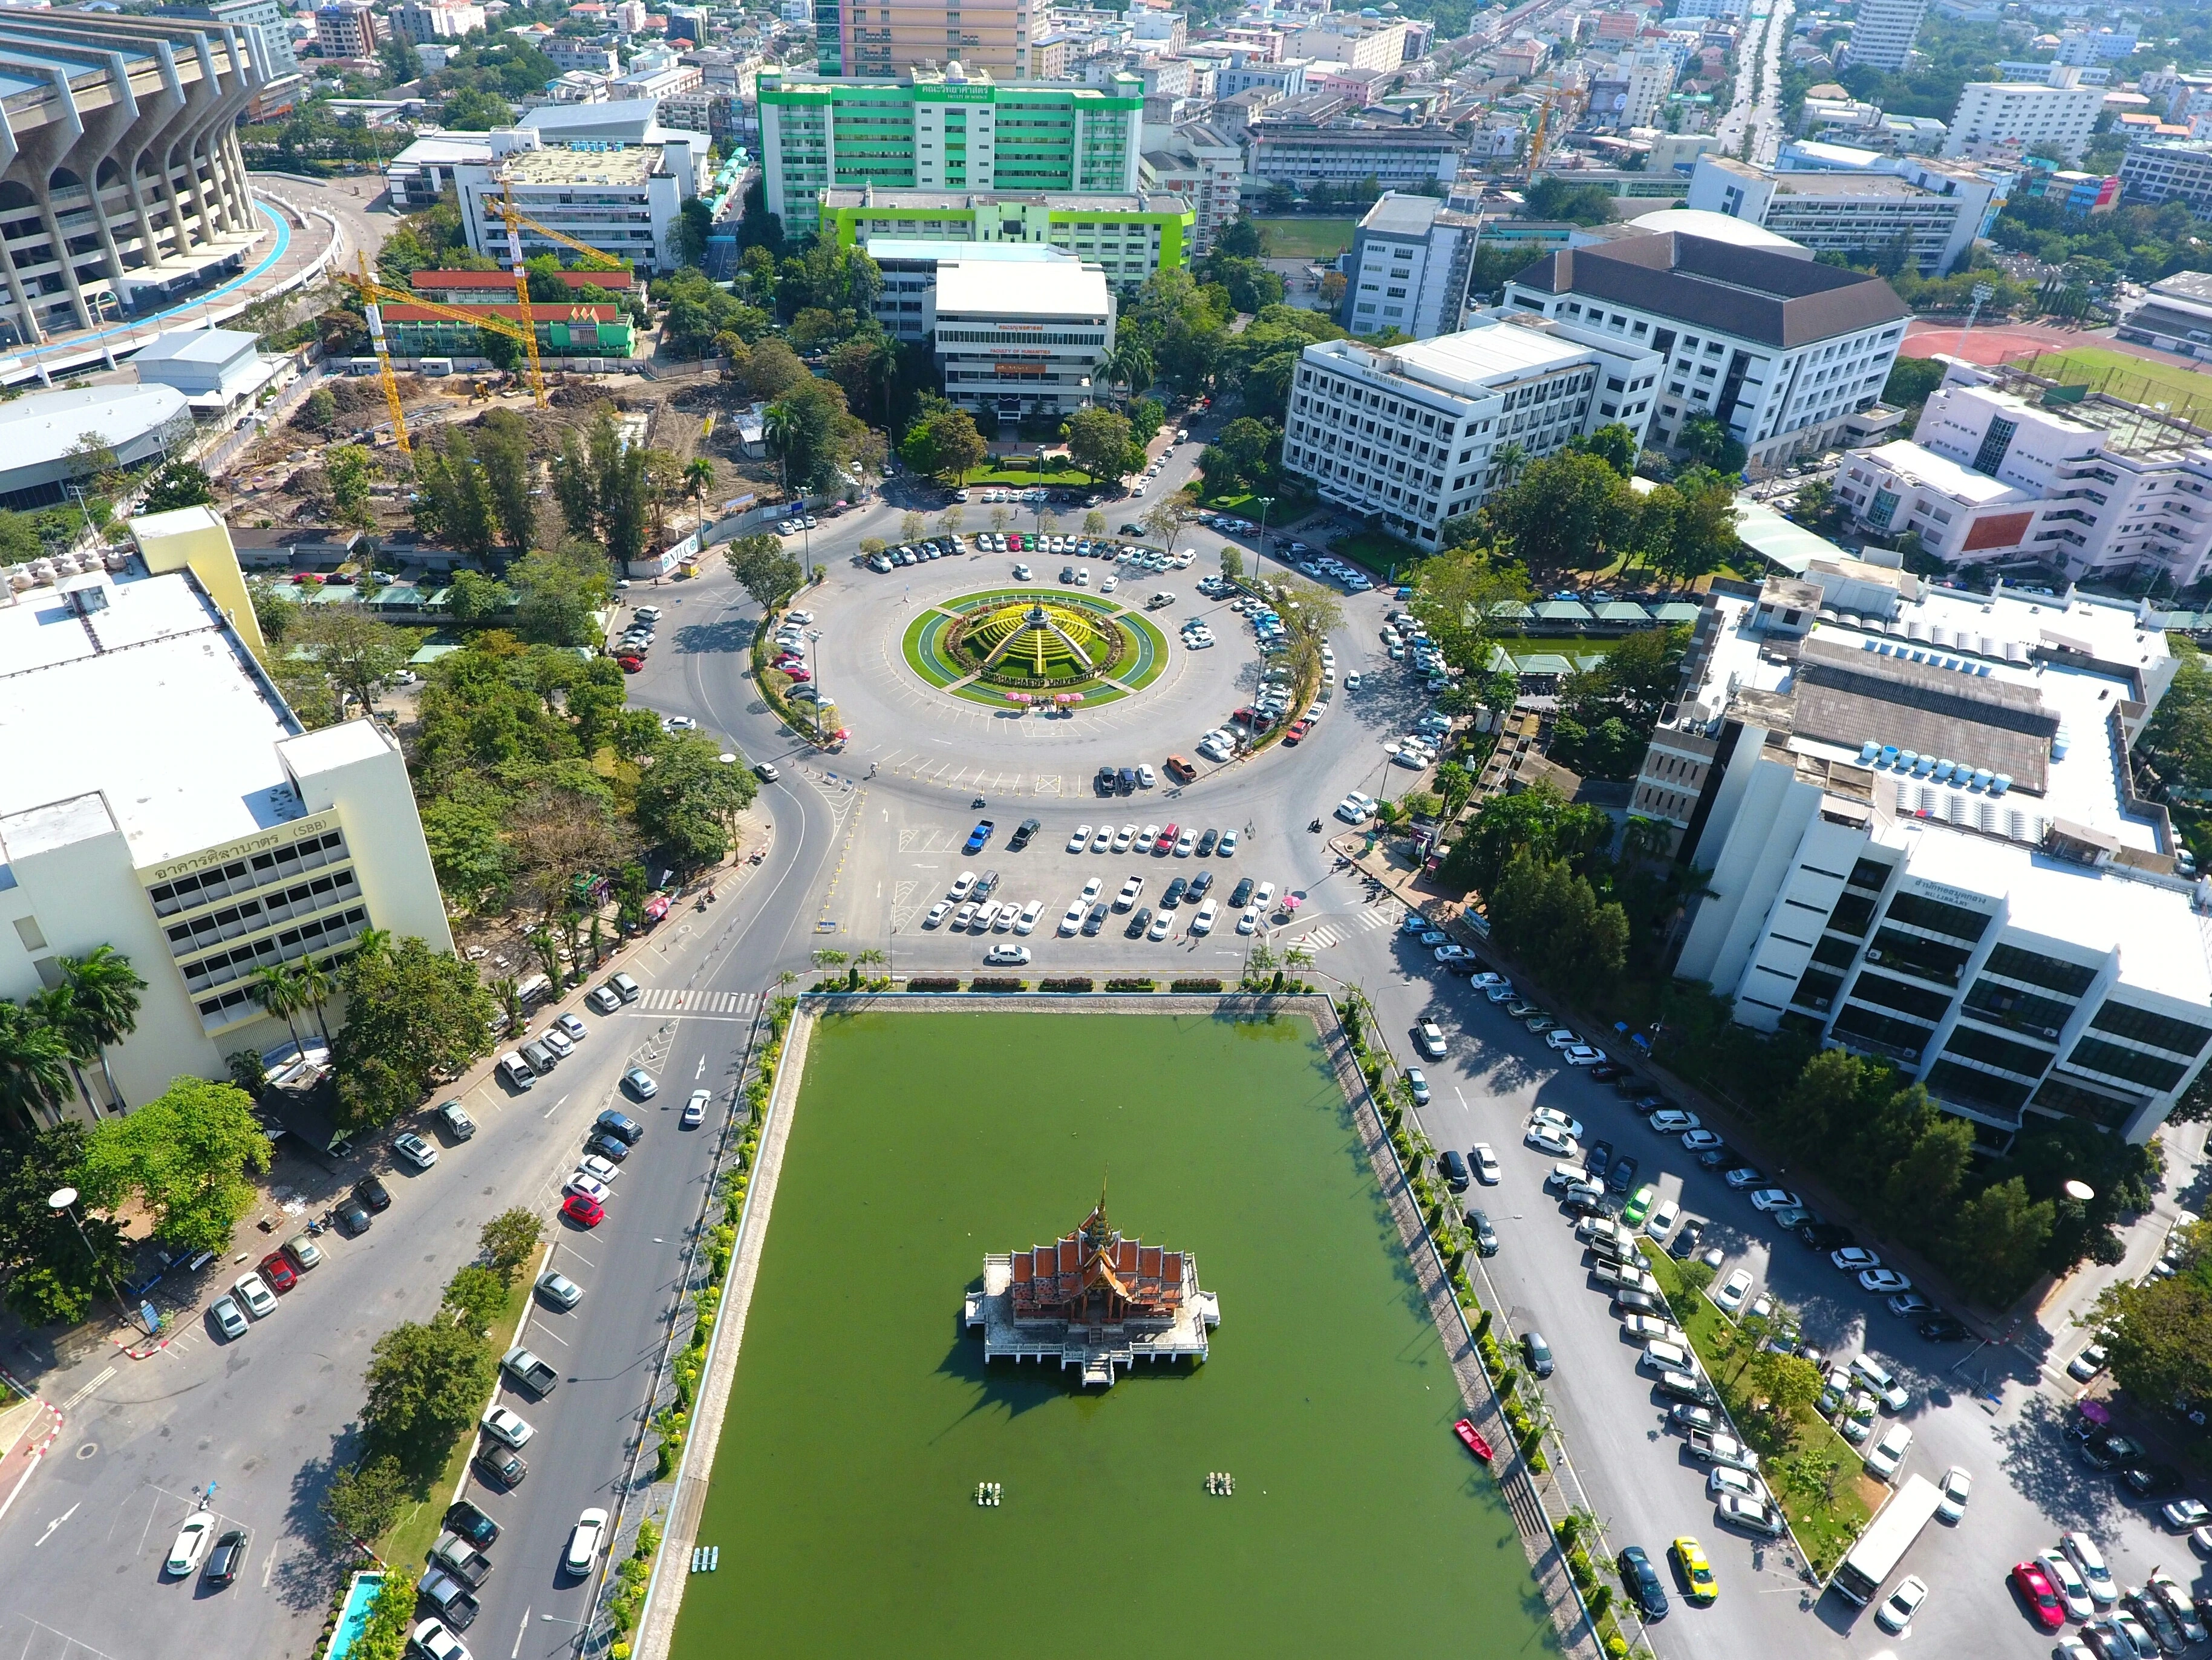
(2001, 783)
(1888, 755)
(2062, 742)
(1906, 759)
(1869, 750)
(1982, 777)
(1924, 765)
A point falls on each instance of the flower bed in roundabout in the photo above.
(1021, 647)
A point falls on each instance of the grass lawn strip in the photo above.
(1825, 1507)
(1004, 478)
(921, 649)
(405, 1546)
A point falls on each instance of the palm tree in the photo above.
(507, 994)
(34, 1067)
(1130, 365)
(276, 988)
(698, 479)
(1645, 838)
(53, 1008)
(1506, 465)
(103, 990)
(373, 945)
(317, 987)
(779, 429)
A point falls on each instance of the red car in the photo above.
(630, 664)
(801, 676)
(582, 1207)
(276, 1269)
(1166, 843)
(1014, 543)
(2032, 1581)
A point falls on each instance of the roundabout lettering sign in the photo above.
(1024, 649)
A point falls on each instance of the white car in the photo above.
(421, 1154)
(1080, 840)
(937, 913)
(1660, 1222)
(1582, 1055)
(1957, 1487)
(1544, 1139)
(254, 1292)
(1249, 922)
(436, 1642)
(1430, 1038)
(1263, 896)
(1560, 1038)
(604, 1169)
(2091, 1561)
(192, 1542)
(1672, 1120)
(1570, 1127)
(1146, 776)
(1123, 837)
(2087, 1363)
(1202, 923)
(962, 885)
(1896, 1612)
(1733, 1290)
(503, 1424)
(1483, 1158)
(1102, 839)
(1352, 810)
(1887, 1456)
(1028, 919)
(1773, 1199)
(2066, 1579)
(1185, 842)
(1002, 956)
(1072, 918)
(1162, 925)
(585, 1540)
(591, 1187)
(234, 1324)
(1351, 681)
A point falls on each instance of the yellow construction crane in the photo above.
(372, 292)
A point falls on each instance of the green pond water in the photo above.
(863, 1418)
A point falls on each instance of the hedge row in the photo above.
(1197, 985)
(1076, 983)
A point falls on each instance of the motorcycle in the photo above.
(977, 802)
(1314, 827)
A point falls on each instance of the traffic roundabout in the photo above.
(1016, 648)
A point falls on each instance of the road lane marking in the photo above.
(556, 1107)
(521, 1633)
(55, 1523)
(71, 1404)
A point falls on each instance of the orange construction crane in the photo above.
(372, 291)
(515, 221)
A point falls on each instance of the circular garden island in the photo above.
(1025, 647)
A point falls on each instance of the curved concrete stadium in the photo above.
(121, 181)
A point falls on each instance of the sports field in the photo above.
(1307, 238)
(2185, 391)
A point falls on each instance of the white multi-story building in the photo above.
(2161, 170)
(2174, 315)
(1915, 809)
(422, 21)
(1778, 349)
(626, 199)
(1882, 33)
(1862, 211)
(1408, 267)
(161, 798)
(2095, 488)
(1021, 335)
(2005, 119)
(1205, 168)
(1294, 149)
(1408, 434)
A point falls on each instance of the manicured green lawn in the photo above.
(1380, 553)
(2184, 390)
(1826, 1503)
(1307, 238)
(1023, 477)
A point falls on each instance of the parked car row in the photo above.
(521, 1068)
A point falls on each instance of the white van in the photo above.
(533, 988)
(1659, 1355)
(517, 1072)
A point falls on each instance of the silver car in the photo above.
(229, 1316)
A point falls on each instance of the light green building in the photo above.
(944, 131)
(1128, 237)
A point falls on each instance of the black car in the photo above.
(1605, 1070)
(1125, 781)
(1623, 1176)
(373, 1193)
(1104, 783)
(1598, 1160)
(1200, 883)
(1641, 1582)
(1020, 838)
(1827, 1236)
(1095, 920)
(622, 1126)
(2109, 1451)
(1138, 923)
(351, 1215)
(1486, 1236)
(472, 1524)
(986, 887)
(1943, 1329)
(1172, 896)
(1537, 1352)
(1205, 842)
(1453, 1162)
(611, 1147)
(1684, 1244)
(1714, 1158)
(1644, 1105)
(1241, 894)
(223, 1560)
(503, 1466)
(2152, 1480)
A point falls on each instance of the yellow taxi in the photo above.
(1697, 1573)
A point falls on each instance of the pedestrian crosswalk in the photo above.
(1319, 938)
(1379, 916)
(662, 1000)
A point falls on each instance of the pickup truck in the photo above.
(1592, 1229)
(462, 1560)
(455, 1606)
(1716, 1449)
(527, 1369)
(1607, 1249)
(1626, 1275)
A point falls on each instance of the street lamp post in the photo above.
(1983, 294)
(813, 637)
(1266, 502)
(64, 1199)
